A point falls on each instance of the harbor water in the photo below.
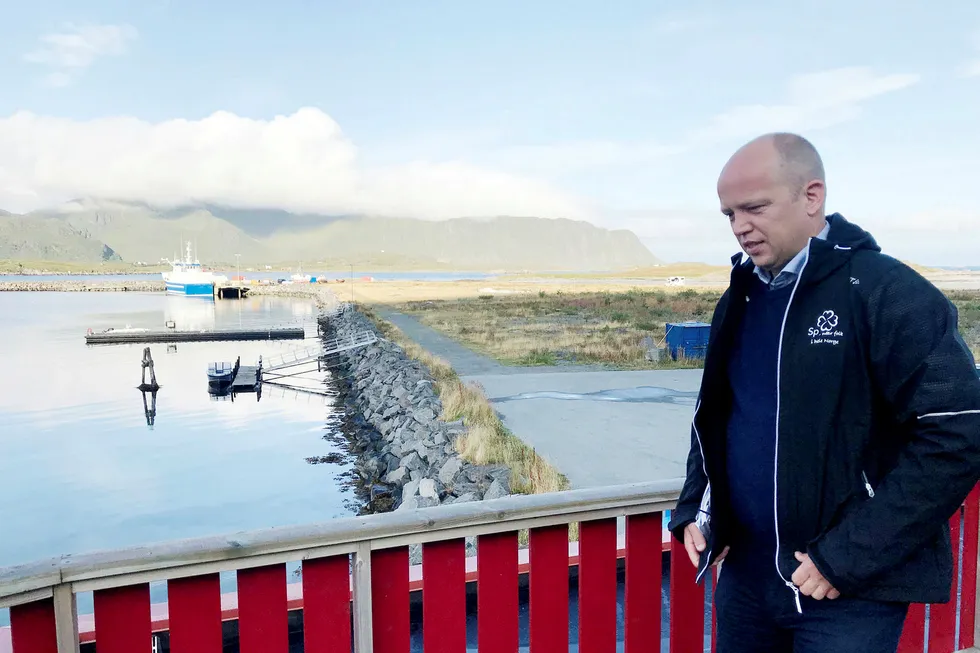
(84, 467)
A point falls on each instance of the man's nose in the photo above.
(741, 226)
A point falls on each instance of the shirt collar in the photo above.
(792, 269)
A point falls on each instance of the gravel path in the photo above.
(464, 360)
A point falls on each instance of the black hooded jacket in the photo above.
(878, 423)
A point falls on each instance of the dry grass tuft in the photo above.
(487, 441)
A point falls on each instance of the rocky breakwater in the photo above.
(12, 284)
(322, 296)
(403, 445)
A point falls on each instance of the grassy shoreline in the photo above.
(487, 441)
(610, 328)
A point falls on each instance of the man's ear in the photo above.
(815, 194)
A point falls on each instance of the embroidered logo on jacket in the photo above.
(826, 330)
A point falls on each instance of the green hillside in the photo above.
(49, 239)
(94, 231)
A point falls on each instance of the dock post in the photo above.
(147, 362)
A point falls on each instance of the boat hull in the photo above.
(190, 289)
(220, 380)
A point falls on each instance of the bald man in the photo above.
(837, 428)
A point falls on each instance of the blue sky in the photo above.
(621, 113)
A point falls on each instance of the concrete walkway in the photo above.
(465, 361)
(601, 428)
(597, 426)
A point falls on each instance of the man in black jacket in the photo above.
(837, 428)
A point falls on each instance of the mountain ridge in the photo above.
(89, 230)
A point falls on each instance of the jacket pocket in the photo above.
(860, 491)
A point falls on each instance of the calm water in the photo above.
(80, 468)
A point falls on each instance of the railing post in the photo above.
(66, 619)
(363, 616)
(976, 606)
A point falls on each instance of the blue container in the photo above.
(688, 339)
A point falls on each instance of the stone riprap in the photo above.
(402, 443)
(12, 284)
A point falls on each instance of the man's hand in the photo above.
(810, 581)
(694, 544)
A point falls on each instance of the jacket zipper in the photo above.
(704, 468)
(775, 473)
(704, 463)
(867, 485)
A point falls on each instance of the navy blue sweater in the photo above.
(752, 426)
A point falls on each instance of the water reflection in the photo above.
(74, 449)
(150, 411)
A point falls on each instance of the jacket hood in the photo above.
(847, 234)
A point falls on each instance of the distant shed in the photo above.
(687, 339)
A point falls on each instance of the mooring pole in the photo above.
(147, 362)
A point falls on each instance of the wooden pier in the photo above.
(128, 336)
(248, 379)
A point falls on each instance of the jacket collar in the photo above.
(821, 257)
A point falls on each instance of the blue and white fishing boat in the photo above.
(188, 277)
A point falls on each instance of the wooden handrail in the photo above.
(121, 567)
(358, 567)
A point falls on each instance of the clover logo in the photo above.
(827, 322)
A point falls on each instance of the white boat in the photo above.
(188, 277)
(299, 277)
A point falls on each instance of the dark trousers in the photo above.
(756, 612)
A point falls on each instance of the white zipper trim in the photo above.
(704, 468)
(955, 414)
(867, 485)
(694, 426)
(775, 471)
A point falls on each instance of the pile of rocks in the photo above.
(404, 445)
(319, 293)
(10, 283)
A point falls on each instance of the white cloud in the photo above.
(813, 101)
(972, 68)
(681, 234)
(674, 25)
(299, 162)
(682, 22)
(77, 47)
(561, 158)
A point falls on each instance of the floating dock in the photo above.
(127, 336)
(244, 378)
(248, 379)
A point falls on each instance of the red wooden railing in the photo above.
(376, 549)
